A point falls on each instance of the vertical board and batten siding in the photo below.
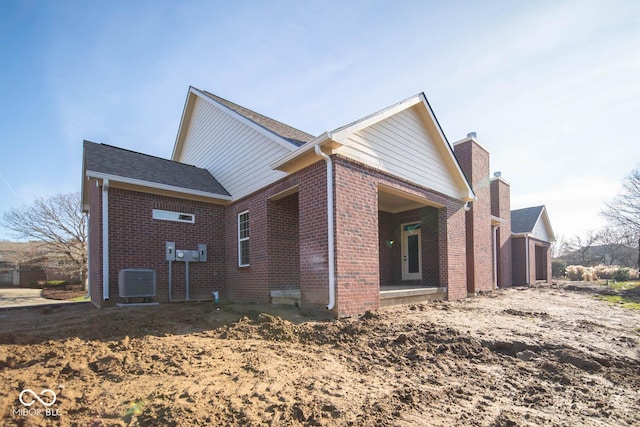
(235, 154)
(402, 146)
(540, 231)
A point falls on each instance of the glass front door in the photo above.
(411, 251)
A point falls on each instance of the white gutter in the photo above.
(105, 239)
(139, 182)
(330, 228)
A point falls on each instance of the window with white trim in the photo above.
(243, 239)
(173, 216)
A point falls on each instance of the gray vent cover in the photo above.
(137, 283)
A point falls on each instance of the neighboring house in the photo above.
(27, 263)
(531, 240)
(380, 211)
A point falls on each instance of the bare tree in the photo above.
(579, 249)
(59, 224)
(617, 247)
(624, 210)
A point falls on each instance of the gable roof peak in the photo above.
(524, 220)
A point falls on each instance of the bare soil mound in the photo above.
(543, 356)
(63, 292)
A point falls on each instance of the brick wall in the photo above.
(314, 263)
(453, 254)
(273, 247)
(136, 240)
(391, 257)
(474, 160)
(288, 241)
(519, 256)
(284, 243)
(357, 241)
(540, 259)
(501, 208)
(388, 253)
(443, 235)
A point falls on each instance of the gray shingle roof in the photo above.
(291, 134)
(524, 220)
(116, 161)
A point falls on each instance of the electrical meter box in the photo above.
(185, 255)
(170, 251)
(202, 249)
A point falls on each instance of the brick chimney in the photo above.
(474, 161)
(501, 208)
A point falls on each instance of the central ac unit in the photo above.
(137, 283)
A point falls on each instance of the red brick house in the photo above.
(531, 240)
(380, 211)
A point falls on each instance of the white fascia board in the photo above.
(547, 223)
(341, 133)
(520, 234)
(497, 219)
(157, 186)
(309, 146)
(265, 132)
(468, 195)
(186, 113)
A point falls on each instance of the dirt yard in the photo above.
(552, 355)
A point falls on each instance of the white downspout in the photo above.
(88, 219)
(526, 251)
(495, 257)
(330, 228)
(105, 239)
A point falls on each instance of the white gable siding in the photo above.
(235, 154)
(402, 146)
(540, 231)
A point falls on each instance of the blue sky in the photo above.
(552, 88)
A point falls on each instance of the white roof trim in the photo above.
(547, 223)
(520, 234)
(470, 196)
(340, 136)
(309, 146)
(155, 185)
(498, 219)
(341, 133)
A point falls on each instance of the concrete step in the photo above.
(389, 297)
(286, 297)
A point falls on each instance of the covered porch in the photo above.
(410, 236)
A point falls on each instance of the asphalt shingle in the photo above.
(111, 160)
(524, 220)
(291, 134)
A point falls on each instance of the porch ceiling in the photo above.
(393, 201)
